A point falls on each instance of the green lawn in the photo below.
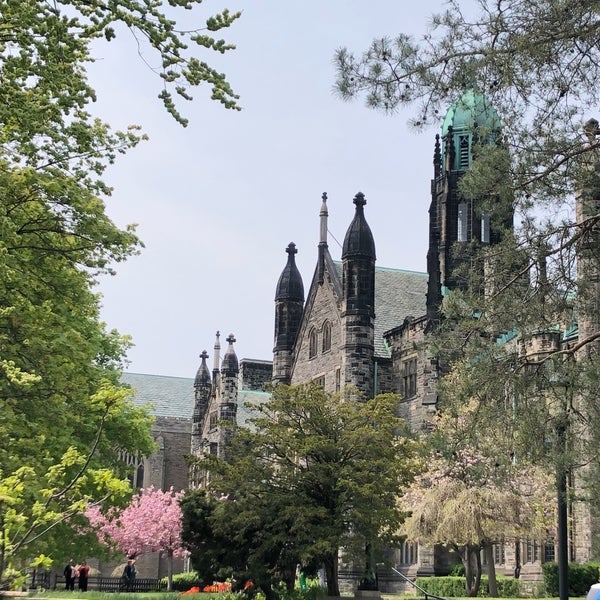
(174, 596)
(76, 595)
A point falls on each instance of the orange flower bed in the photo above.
(217, 586)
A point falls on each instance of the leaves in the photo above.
(317, 472)
(150, 523)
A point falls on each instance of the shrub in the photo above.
(442, 586)
(581, 577)
(455, 586)
(184, 581)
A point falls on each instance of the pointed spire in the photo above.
(217, 352)
(359, 239)
(230, 362)
(290, 286)
(323, 214)
(203, 374)
(437, 157)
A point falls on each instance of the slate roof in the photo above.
(398, 294)
(174, 396)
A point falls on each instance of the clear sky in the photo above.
(217, 203)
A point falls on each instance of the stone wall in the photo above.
(323, 364)
(255, 374)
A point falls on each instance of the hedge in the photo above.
(184, 581)
(581, 577)
(453, 586)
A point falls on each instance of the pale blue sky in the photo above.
(218, 202)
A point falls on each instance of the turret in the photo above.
(358, 302)
(202, 391)
(229, 382)
(289, 305)
(459, 225)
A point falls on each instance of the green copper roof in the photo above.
(469, 110)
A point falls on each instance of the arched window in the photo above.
(135, 469)
(312, 343)
(326, 345)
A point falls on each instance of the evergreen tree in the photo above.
(527, 327)
(317, 473)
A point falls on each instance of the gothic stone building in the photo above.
(361, 325)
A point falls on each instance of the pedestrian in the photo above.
(83, 572)
(129, 575)
(69, 573)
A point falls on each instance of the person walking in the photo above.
(129, 575)
(69, 573)
(83, 572)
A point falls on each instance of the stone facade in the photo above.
(364, 326)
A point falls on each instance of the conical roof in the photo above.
(359, 241)
(290, 286)
(203, 374)
(230, 360)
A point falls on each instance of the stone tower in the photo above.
(358, 302)
(229, 393)
(202, 394)
(458, 226)
(289, 304)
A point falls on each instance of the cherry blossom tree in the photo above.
(150, 523)
(476, 492)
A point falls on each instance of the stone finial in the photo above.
(231, 339)
(360, 199)
(291, 249)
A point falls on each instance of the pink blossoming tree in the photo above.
(151, 523)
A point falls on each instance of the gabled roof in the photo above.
(174, 396)
(167, 396)
(398, 294)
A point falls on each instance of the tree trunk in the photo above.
(472, 563)
(488, 550)
(169, 570)
(331, 574)
(517, 558)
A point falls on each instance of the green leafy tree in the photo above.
(318, 473)
(529, 329)
(65, 420)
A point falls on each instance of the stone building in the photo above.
(358, 325)
(364, 326)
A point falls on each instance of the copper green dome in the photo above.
(469, 111)
(472, 117)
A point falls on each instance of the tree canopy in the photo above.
(151, 522)
(537, 61)
(317, 473)
(525, 333)
(66, 422)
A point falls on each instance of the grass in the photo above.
(174, 596)
(114, 595)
